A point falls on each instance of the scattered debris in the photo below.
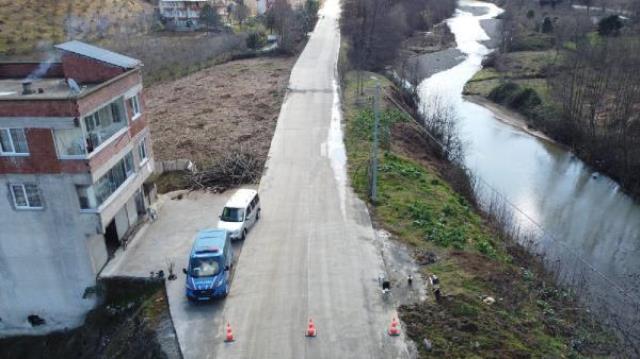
(427, 344)
(35, 320)
(236, 167)
(425, 257)
(172, 275)
(159, 274)
(435, 284)
(468, 327)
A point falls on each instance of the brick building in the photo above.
(182, 14)
(74, 156)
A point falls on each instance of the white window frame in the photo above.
(135, 106)
(26, 197)
(132, 170)
(142, 149)
(13, 146)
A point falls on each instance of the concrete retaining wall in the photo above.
(174, 165)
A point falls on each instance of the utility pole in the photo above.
(374, 150)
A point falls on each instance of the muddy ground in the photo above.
(232, 105)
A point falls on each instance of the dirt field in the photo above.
(227, 106)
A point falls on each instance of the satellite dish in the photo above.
(73, 85)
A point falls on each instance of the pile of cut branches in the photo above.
(235, 168)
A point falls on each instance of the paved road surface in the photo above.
(312, 255)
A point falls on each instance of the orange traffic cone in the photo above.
(229, 337)
(311, 330)
(394, 331)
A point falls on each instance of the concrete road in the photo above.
(169, 239)
(312, 255)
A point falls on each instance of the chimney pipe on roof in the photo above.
(26, 88)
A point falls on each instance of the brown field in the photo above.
(210, 112)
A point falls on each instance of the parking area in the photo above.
(168, 240)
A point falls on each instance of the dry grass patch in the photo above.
(211, 112)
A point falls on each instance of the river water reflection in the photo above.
(584, 215)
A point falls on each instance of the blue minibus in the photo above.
(209, 265)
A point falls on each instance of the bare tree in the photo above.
(599, 92)
(209, 17)
(440, 120)
(240, 12)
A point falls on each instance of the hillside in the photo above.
(28, 25)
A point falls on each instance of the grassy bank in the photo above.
(530, 316)
(518, 80)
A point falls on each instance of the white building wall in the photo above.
(261, 6)
(97, 252)
(48, 257)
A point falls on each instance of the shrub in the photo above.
(504, 92)
(547, 25)
(256, 40)
(526, 99)
(610, 26)
(486, 248)
(532, 42)
(209, 17)
(531, 14)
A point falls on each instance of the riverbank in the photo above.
(497, 300)
(546, 70)
(578, 221)
(500, 300)
(510, 117)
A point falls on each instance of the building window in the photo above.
(142, 151)
(134, 103)
(26, 195)
(93, 196)
(87, 197)
(104, 123)
(129, 169)
(13, 141)
(70, 141)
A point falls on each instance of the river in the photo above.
(588, 229)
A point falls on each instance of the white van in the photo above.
(240, 213)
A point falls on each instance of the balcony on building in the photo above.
(93, 131)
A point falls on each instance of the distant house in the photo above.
(185, 14)
(182, 14)
(262, 6)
